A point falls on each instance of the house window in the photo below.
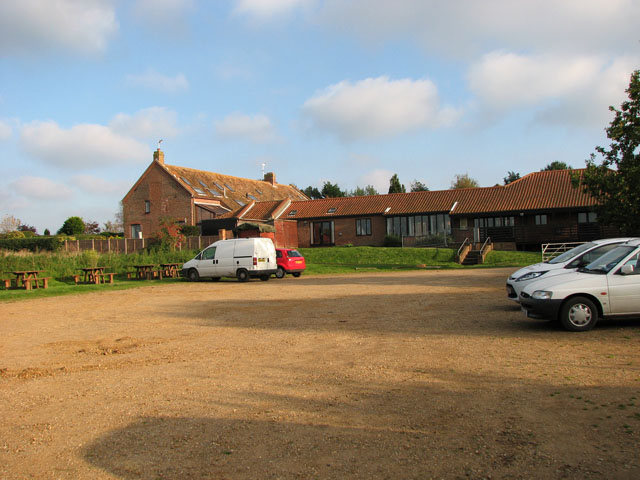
(541, 219)
(587, 217)
(463, 224)
(322, 233)
(136, 231)
(147, 206)
(419, 225)
(363, 226)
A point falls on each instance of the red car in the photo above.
(290, 261)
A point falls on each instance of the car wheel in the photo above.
(265, 278)
(297, 274)
(193, 275)
(215, 279)
(578, 314)
(280, 272)
(242, 275)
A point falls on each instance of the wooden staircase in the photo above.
(474, 257)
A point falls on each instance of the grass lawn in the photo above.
(320, 261)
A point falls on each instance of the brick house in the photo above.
(539, 207)
(192, 196)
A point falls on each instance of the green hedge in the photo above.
(33, 244)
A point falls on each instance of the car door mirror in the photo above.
(626, 270)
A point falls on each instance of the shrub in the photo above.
(392, 241)
(190, 230)
(72, 226)
(32, 244)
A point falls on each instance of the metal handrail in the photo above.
(488, 240)
(466, 240)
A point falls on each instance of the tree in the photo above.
(464, 181)
(91, 227)
(615, 183)
(511, 177)
(72, 226)
(27, 228)
(331, 190)
(117, 225)
(361, 192)
(556, 166)
(417, 186)
(395, 186)
(9, 223)
(47, 232)
(312, 192)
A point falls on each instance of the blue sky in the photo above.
(346, 91)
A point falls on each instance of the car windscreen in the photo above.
(609, 260)
(574, 252)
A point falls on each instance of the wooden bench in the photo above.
(76, 278)
(30, 283)
(102, 277)
(151, 274)
(6, 282)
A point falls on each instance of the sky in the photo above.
(344, 91)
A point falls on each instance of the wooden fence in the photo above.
(131, 245)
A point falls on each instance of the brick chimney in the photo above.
(158, 156)
(270, 177)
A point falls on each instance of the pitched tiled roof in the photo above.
(536, 191)
(232, 192)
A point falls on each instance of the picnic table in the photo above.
(144, 271)
(92, 274)
(170, 270)
(29, 279)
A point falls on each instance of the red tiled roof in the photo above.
(535, 191)
(232, 192)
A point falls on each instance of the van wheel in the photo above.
(242, 275)
(297, 274)
(280, 272)
(265, 278)
(193, 275)
(579, 314)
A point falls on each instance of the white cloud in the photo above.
(268, 9)
(159, 82)
(151, 123)
(564, 89)
(42, 25)
(5, 131)
(505, 79)
(81, 146)
(469, 26)
(41, 188)
(379, 178)
(255, 128)
(163, 17)
(92, 184)
(377, 107)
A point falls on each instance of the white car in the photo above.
(570, 260)
(608, 287)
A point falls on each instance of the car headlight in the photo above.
(542, 295)
(530, 276)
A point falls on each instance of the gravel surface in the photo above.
(425, 374)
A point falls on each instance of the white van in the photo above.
(239, 257)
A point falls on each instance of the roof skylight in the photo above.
(186, 181)
(332, 210)
(227, 185)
